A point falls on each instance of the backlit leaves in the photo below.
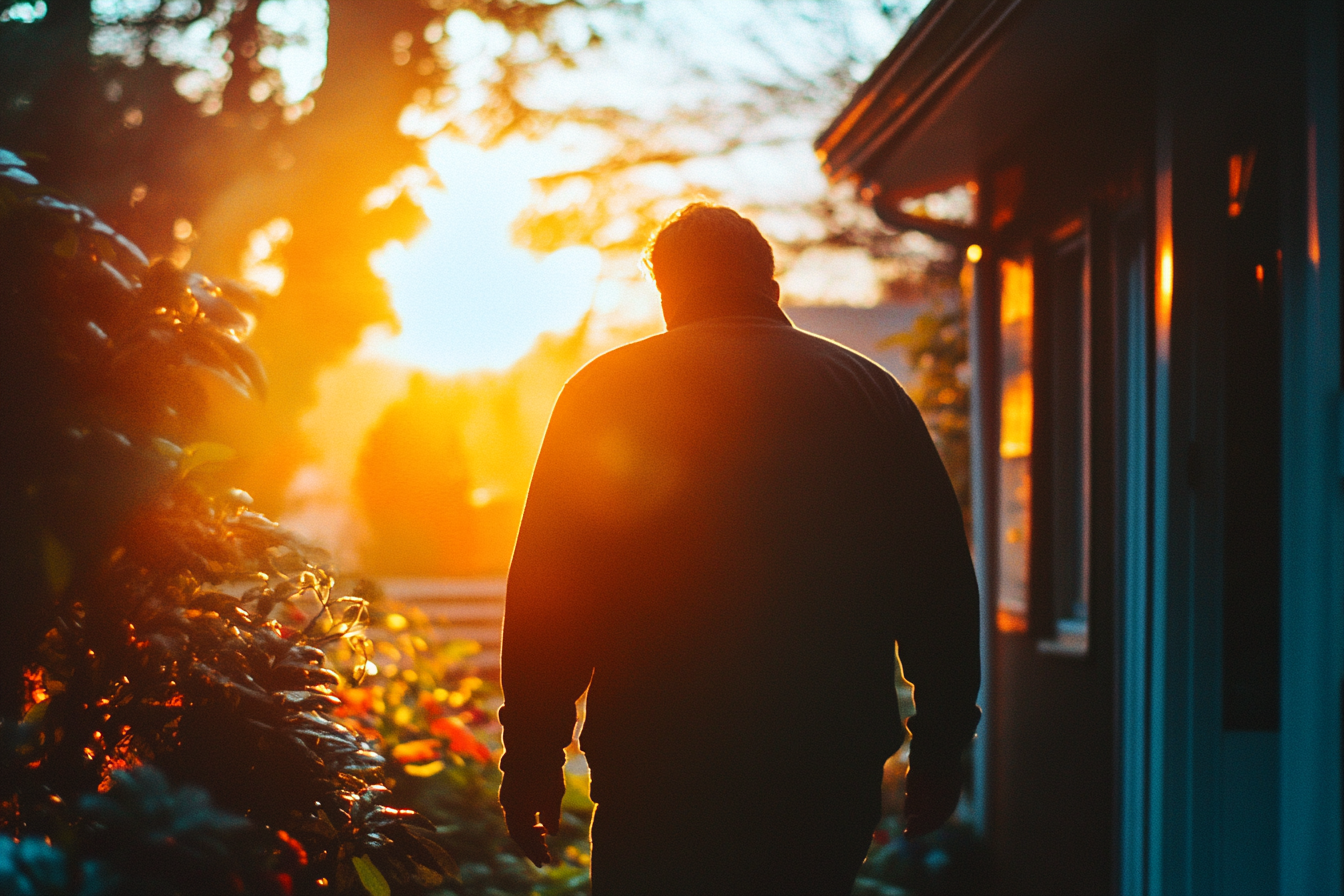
(177, 732)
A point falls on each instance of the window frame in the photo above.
(1062, 458)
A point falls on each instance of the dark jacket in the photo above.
(729, 526)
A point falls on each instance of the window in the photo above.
(1068, 465)
(1017, 400)
(1045, 445)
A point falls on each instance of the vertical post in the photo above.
(982, 316)
(1133, 555)
(1313, 500)
(1158, 845)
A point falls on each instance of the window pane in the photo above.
(1016, 406)
(1070, 443)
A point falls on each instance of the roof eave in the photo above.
(941, 47)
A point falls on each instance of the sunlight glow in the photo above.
(465, 296)
(261, 264)
(301, 59)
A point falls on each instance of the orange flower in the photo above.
(460, 739)
(417, 751)
(358, 700)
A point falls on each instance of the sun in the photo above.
(466, 297)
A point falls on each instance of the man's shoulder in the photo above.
(799, 349)
(614, 361)
(842, 353)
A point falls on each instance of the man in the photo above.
(729, 526)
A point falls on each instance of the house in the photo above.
(1158, 443)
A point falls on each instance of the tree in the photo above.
(728, 110)
(173, 121)
(443, 473)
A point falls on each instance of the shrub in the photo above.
(165, 702)
(433, 710)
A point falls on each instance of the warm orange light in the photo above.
(1162, 302)
(1009, 622)
(1239, 168)
(1016, 295)
(974, 253)
(1016, 415)
(1015, 284)
(1313, 217)
(1260, 274)
(1164, 289)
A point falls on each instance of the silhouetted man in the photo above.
(729, 525)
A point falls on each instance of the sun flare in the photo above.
(466, 297)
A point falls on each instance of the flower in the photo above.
(460, 739)
(415, 751)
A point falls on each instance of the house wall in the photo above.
(1052, 764)
(1188, 740)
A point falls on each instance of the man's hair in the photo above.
(708, 249)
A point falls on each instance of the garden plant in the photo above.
(166, 706)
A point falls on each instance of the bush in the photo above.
(434, 713)
(165, 702)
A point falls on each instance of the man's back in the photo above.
(725, 514)
(729, 526)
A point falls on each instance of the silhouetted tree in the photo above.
(171, 120)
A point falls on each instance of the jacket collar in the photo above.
(739, 306)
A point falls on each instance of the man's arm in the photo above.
(544, 663)
(938, 629)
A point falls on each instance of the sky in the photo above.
(468, 298)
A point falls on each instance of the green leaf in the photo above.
(369, 875)
(35, 715)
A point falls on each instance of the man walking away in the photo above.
(729, 526)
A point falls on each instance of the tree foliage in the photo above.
(937, 347)
(733, 113)
(172, 121)
(166, 706)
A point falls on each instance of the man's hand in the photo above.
(530, 834)
(931, 796)
(531, 811)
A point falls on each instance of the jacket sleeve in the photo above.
(544, 661)
(938, 619)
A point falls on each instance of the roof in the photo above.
(963, 81)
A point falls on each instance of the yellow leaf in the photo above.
(427, 770)
(369, 875)
(423, 750)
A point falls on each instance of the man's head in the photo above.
(706, 260)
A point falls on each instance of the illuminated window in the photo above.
(1044, 508)
(1016, 297)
